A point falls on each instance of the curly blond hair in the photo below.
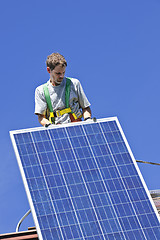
(55, 59)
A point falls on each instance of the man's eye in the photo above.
(60, 73)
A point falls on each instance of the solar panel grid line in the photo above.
(102, 178)
(85, 186)
(72, 197)
(122, 179)
(67, 188)
(47, 187)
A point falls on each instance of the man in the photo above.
(56, 89)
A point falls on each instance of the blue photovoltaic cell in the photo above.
(84, 183)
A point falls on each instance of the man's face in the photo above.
(57, 74)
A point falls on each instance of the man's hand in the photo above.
(42, 120)
(86, 113)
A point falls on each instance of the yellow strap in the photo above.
(63, 111)
(50, 120)
(74, 115)
(51, 117)
(51, 114)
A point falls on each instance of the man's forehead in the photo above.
(59, 68)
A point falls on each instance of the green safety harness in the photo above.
(59, 113)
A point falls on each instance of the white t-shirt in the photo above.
(78, 99)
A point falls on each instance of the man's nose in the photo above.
(61, 75)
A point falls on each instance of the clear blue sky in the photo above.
(112, 47)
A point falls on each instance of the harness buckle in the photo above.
(58, 113)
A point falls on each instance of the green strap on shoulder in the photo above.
(67, 91)
(49, 104)
(48, 99)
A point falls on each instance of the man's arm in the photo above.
(42, 120)
(86, 112)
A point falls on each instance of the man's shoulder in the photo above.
(40, 87)
(75, 81)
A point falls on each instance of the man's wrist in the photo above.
(87, 118)
(47, 124)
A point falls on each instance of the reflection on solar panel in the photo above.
(82, 182)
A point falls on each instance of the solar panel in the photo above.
(83, 182)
